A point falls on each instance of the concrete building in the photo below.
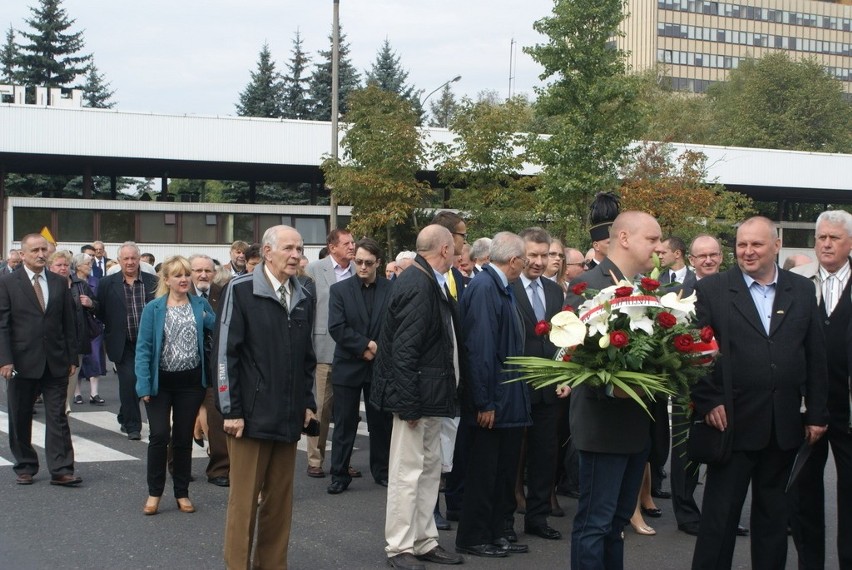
(696, 42)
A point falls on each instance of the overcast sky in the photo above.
(195, 56)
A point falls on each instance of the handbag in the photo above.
(94, 327)
(707, 444)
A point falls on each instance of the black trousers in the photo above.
(660, 441)
(345, 417)
(489, 491)
(454, 488)
(128, 414)
(808, 521)
(724, 492)
(21, 394)
(171, 418)
(683, 475)
(542, 448)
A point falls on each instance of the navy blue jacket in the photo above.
(493, 331)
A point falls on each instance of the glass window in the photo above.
(199, 228)
(30, 221)
(242, 228)
(268, 220)
(312, 230)
(157, 227)
(117, 226)
(76, 225)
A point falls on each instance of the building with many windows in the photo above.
(696, 42)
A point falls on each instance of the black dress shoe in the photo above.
(134, 436)
(219, 481)
(337, 487)
(382, 482)
(405, 561)
(689, 528)
(66, 481)
(660, 494)
(510, 534)
(567, 492)
(741, 530)
(442, 523)
(652, 512)
(510, 548)
(543, 531)
(440, 556)
(24, 479)
(484, 550)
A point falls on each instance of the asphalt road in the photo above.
(101, 525)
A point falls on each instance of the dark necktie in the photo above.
(204, 294)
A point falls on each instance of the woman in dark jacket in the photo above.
(93, 362)
(170, 377)
(60, 264)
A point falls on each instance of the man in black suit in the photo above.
(611, 432)
(539, 299)
(767, 324)
(38, 352)
(830, 275)
(218, 467)
(356, 310)
(99, 263)
(121, 298)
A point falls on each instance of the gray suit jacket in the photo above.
(322, 272)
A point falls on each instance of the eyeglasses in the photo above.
(706, 256)
(525, 260)
(203, 271)
(556, 254)
(365, 262)
(578, 264)
(463, 235)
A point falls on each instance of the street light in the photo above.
(335, 94)
(441, 86)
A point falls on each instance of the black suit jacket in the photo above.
(213, 295)
(112, 310)
(352, 330)
(770, 372)
(688, 285)
(31, 339)
(535, 345)
(601, 423)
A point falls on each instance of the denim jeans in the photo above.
(609, 487)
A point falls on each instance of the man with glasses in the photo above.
(705, 256)
(575, 264)
(99, 263)
(355, 313)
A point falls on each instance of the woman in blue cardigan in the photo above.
(170, 377)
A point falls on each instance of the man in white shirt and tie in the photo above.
(99, 263)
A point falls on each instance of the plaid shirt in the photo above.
(134, 300)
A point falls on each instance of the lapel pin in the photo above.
(779, 312)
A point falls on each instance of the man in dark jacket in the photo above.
(415, 378)
(493, 332)
(264, 361)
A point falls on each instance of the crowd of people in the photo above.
(256, 353)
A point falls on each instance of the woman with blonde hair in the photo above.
(170, 377)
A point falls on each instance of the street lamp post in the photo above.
(441, 86)
(335, 94)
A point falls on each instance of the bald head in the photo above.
(634, 238)
(435, 244)
(705, 255)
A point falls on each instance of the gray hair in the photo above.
(838, 217)
(505, 246)
(270, 236)
(80, 259)
(195, 256)
(480, 248)
(130, 244)
(405, 255)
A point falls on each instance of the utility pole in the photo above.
(335, 94)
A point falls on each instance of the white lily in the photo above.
(680, 308)
(599, 323)
(567, 330)
(639, 320)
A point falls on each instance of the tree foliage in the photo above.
(590, 107)
(382, 152)
(675, 191)
(481, 167)
(444, 108)
(262, 95)
(51, 57)
(9, 58)
(295, 104)
(387, 73)
(669, 115)
(775, 102)
(320, 83)
(96, 90)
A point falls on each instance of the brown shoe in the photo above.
(152, 506)
(66, 481)
(354, 473)
(316, 472)
(405, 561)
(184, 505)
(24, 479)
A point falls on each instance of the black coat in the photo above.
(352, 330)
(770, 372)
(112, 310)
(81, 313)
(414, 374)
(30, 338)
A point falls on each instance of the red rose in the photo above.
(568, 308)
(542, 328)
(579, 288)
(624, 291)
(706, 334)
(683, 342)
(618, 339)
(649, 284)
(566, 357)
(666, 320)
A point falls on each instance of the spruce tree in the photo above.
(320, 84)
(295, 104)
(262, 96)
(387, 74)
(8, 58)
(52, 57)
(444, 109)
(96, 91)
